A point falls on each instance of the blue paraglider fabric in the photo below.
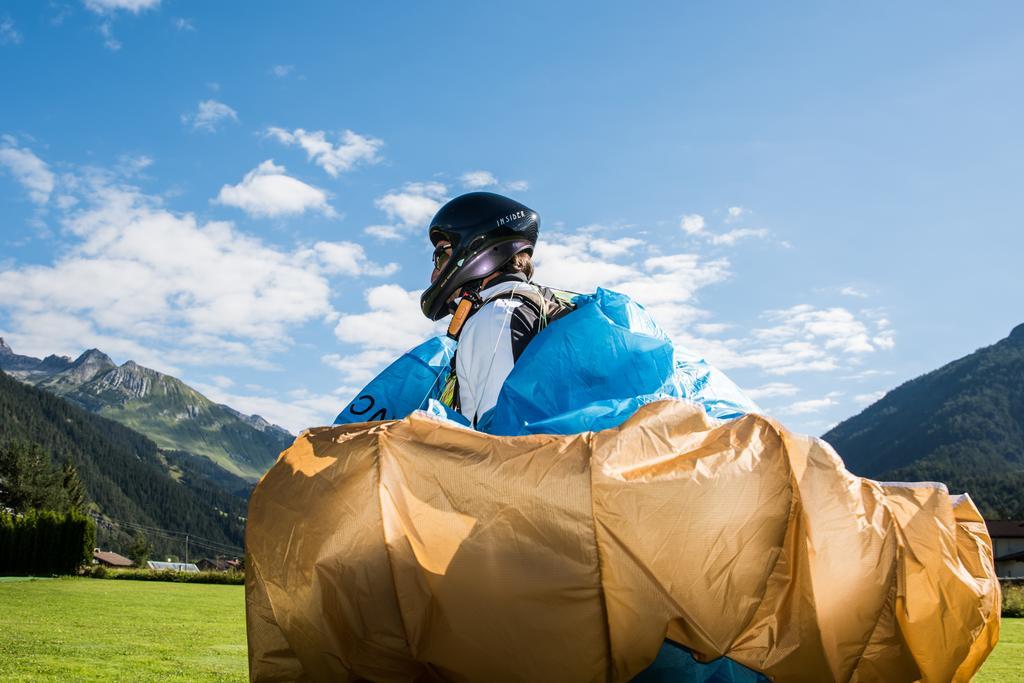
(592, 369)
(588, 371)
(406, 385)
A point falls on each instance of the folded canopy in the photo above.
(420, 550)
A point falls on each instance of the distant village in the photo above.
(108, 558)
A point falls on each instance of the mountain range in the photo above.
(962, 424)
(131, 485)
(172, 414)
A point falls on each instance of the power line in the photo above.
(166, 532)
(171, 535)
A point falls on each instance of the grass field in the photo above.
(94, 630)
(1006, 663)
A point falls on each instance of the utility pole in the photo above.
(186, 548)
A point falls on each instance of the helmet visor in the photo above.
(442, 253)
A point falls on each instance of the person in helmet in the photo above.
(483, 269)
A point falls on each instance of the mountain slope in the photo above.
(962, 424)
(123, 472)
(174, 415)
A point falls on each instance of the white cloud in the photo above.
(281, 70)
(567, 261)
(301, 409)
(884, 337)
(383, 232)
(865, 399)
(773, 389)
(106, 30)
(130, 166)
(394, 321)
(666, 285)
(359, 368)
(474, 180)
(183, 24)
(582, 262)
(210, 114)
(814, 405)
(692, 224)
(349, 258)
(850, 290)
(869, 373)
(408, 209)
(712, 328)
(108, 9)
(266, 191)
(798, 339)
(733, 236)
(8, 33)
(32, 172)
(222, 381)
(607, 248)
(837, 327)
(335, 159)
(142, 282)
(883, 341)
(393, 324)
(803, 339)
(133, 6)
(477, 180)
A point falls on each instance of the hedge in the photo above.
(101, 572)
(43, 542)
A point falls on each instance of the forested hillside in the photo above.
(165, 409)
(126, 478)
(962, 424)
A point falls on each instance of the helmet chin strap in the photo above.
(469, 303)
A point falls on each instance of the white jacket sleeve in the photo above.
(484, 358)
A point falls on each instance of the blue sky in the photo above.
(823, 198)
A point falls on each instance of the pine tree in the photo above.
(77, 498)
(140, 549)
(28, 480)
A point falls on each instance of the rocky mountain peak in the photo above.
(93, 357)
(130, 379)
(15, 364)
(1016, 334)
(87, 366)
(54, 363)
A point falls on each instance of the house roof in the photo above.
(173, 566)
(220, 563)
(111, 558)
(1005, 528)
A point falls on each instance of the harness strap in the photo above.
(549, 304)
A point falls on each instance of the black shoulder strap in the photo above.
(548, 305)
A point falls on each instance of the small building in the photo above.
(1007, 546)
(172, 566)
(109, 558)
(219, 565)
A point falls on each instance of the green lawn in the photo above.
(95, 630)
(1006, 663)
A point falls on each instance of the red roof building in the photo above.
(110, 559)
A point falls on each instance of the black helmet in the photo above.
(485, 231)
